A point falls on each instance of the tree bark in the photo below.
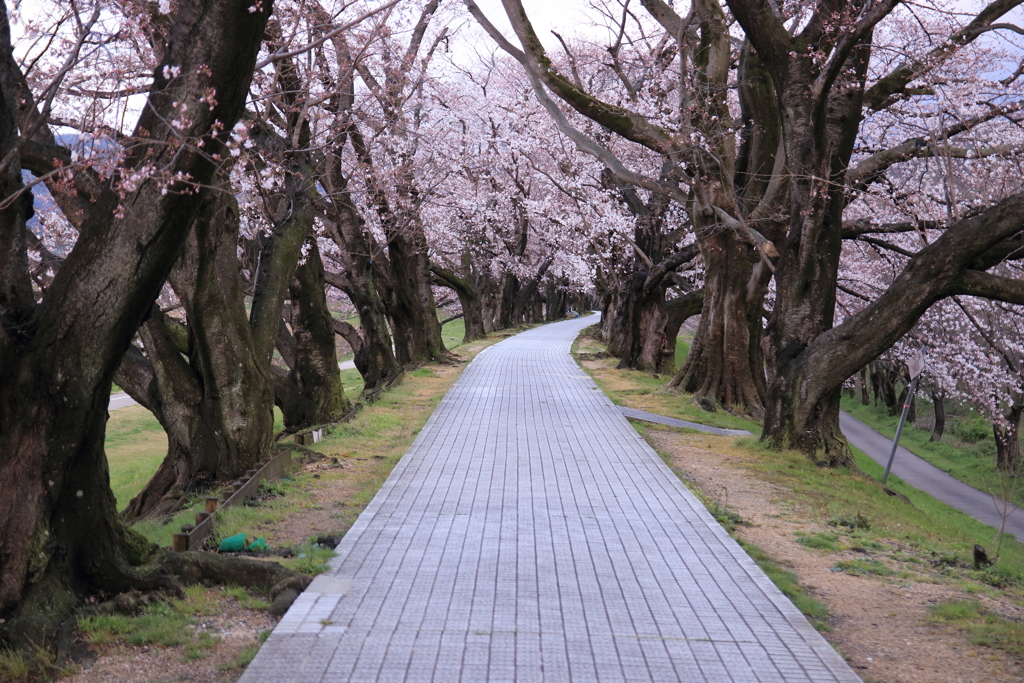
(228, 355)
(60, 535)
(469, 298)
(414, 324)
(310, 393)
(800, 415)
(1008, 441)
(726, 361)
(938, 400)
(556, 301)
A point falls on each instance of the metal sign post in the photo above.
(916, 367)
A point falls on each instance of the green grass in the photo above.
(245, 598)
(13, 666)
(136, 445)
(309, 559)
(452, 333)
(167, 624)
(862, 567)
(682, 351)
(158, 624)
(985, 628)
(352, 381)
(931, 529)
(966, 450)
(162, 531)
(820, 541)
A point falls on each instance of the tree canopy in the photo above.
(209, 201)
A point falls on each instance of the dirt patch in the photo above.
(235, 628)
(879, 623)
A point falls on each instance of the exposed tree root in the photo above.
(53, 604)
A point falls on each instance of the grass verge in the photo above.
(984, 628)
(967, 453)
(136, 445)
(877, 537)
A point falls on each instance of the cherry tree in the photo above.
(60, 536)
(511, 226)
(778, 184)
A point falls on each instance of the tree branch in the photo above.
(891, 86)
(989, 286)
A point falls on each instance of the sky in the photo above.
(567, 17)
(561, 15)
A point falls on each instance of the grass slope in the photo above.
(966, 450)
(136, 445)
(922, 533)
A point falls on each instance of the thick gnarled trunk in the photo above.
(60, 535)
(637, 336)
(371, 343)
(415, 327)
(310, 393)
(726, 362)
(469, 297)
(217, 407)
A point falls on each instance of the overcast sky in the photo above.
(568, 17)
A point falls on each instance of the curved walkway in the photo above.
(530, 534)
(923, 475)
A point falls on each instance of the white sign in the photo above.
(916, 363)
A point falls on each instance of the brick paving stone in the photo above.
(530, 534)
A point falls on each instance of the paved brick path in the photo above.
(530, 534)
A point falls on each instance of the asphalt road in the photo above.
(121, 400)
(922, 475)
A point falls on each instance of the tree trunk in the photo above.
(1008, 441)
(638, 334)
(556, 301)
(311, 392)
(469, 298)
(166, 385)
(609, 312)
(726, 362)
(508, 292)
(375, 357)
(883, 380)
(938, 399)
(862, 380)
(220, 420)
(415, 327)
(60, 536)
(819, 132)
(679, 310)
